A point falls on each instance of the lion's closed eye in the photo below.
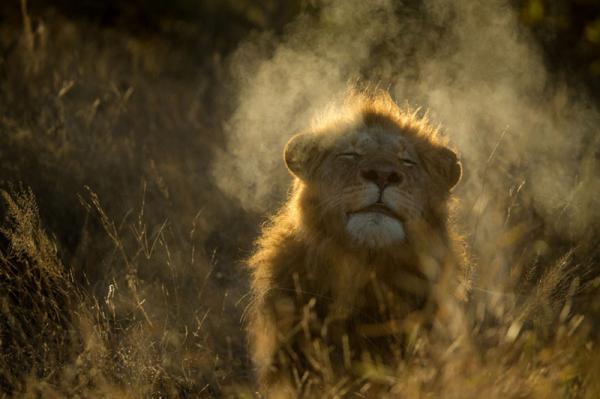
(408, 162)
(352, 156)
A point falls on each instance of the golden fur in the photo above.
(332, 291)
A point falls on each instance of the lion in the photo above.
(355, 259)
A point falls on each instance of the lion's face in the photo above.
(373, 181)
(370, 184)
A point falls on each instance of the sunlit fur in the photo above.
(327, 277)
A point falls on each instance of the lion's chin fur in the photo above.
(374, 229)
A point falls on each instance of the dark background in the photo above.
(569, 31)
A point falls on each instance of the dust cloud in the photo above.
(282, 84)
(526, 138)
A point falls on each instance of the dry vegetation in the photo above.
(120, 258)
(138, 297)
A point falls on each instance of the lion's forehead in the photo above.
(374, 140)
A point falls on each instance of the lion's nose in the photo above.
(382, 178)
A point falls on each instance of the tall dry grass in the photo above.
(126, 282)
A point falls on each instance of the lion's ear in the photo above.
(300, 153)
(443, 164)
